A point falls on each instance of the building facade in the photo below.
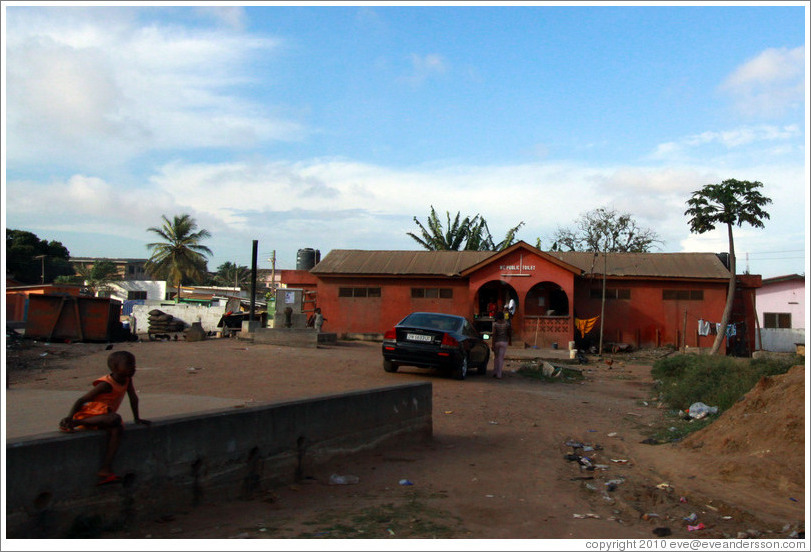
(651, 299)
(781, 312)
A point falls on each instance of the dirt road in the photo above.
(497, 467)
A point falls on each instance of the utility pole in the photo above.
(273, 272)
(602, 307)
(42, 257)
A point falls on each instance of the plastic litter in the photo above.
(336, 479)
(584, 516)
(691, 518)
(405, 482)
(698, 527)
(700, 410)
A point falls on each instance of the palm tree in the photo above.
(231, 275)
(730, 202)
(469, 234)
(180, 255)
(434, 239)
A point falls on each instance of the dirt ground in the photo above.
(501, 464)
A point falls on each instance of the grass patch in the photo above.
(716, 381)
(411, 519)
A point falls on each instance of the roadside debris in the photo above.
(336, 479)
(700, 410)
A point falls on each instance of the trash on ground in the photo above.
(619, 460)
(664, 486)
(584, 516)
(691, 518)
(698, 527)
(405, 482)
(699, 410)
(336, 479)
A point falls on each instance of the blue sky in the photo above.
(332, 126)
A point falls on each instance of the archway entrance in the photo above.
(491, 298)
(547, 320)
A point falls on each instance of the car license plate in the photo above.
(418, 337)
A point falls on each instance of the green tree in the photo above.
(470, 234)
(181, 255)
(230, 275)
(604, 230)
(732, 202)
(23, 261)
(95, 278)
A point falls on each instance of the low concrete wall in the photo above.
(179, 461)
(292, 337)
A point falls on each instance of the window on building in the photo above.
(431, 293)
(359, 292)
(610, 293)
(683, 294)
(136, 295)
(777, 320)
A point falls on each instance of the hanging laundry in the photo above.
(584, 325)
(716, 328)
(703, 327)
(731, 330)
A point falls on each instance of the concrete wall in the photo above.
(292, 337)
(781, 340)
(180, 461)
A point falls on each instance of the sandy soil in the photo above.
(497, 467)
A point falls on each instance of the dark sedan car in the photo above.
(434, 340)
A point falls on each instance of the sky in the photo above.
(333, 126)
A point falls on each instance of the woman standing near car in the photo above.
(501, 338)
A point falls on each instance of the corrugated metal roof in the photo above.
(453, 263)
(652, 265)
(415, 263)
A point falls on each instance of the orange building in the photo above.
(651, 299)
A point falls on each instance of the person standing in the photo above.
(501, 338)
(318, 319)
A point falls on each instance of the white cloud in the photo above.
(102, 89)
(769, 84)
(425, 67)
(768, 139)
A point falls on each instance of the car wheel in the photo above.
(389, 366)
(461, 369)
(482, 371)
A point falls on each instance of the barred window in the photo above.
(777, 320)
(136, 295)
(610, 293)
(683, 294)
(431, 293)
(359, 292)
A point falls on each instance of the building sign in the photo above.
(519, 269)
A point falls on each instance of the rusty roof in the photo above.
(649, 265)
(406, 263)
(453, 263)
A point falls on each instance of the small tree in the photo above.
(181, 255)
(730, 202)
(95, 278)
(605, 230)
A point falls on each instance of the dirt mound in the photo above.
(762, 437)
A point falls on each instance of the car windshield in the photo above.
(433, 321)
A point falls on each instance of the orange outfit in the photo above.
(106, 402)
